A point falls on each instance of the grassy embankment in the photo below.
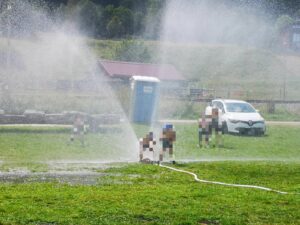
(238, 71)
(255, 73)
(147, 194)
(233, 71)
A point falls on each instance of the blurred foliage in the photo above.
(283, 22)
(111, 19)
(135, 51)
(143, 18)
(225, 68)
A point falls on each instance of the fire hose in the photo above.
(224, 184)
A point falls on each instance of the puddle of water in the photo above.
(68, 177)
(69, 172)
(81, 166)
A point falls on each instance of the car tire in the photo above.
(260, 133)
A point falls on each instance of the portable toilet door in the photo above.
(145, 92)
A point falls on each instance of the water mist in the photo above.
(49, 67)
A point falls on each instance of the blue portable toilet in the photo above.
(145, 92)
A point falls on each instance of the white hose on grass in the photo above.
(225, 184)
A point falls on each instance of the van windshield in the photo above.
(240, 107)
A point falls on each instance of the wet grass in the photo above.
(160, 196)
(282, 115)
(148, 194)
(28, 145)
(31, 147)
(280, 143)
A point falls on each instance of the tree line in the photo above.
(141, 18)
(112, 18)
(135, 18)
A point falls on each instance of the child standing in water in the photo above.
(78, 129)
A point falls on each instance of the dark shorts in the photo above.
(167, 144)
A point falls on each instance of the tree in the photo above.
(126, 18)
(85, 14)
(89, 15)
(114, 27)
(133, 51)
(283, 22)
(120, 21)
(138, 23)
(153, 19)
(59, 13)
(297, 14)
(128, 4)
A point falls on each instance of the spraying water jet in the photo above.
(58, 77)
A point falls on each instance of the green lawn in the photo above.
(281, 115)
(40, 144)
(148, 194)
(280, 143)
(32, 144)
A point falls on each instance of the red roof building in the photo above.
(125, 70)
(290, 37)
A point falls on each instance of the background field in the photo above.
(232, 71)
(256, 72)
(42, 144)
(148, 194)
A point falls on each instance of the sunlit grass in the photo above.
(148, 194)
(280, 143)
(41, 144)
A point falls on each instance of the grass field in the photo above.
(280, 143)
(132, 193)
(39, 144)
(31, 146)
(147, 194)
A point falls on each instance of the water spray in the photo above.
(47, 67)
(167, 139)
